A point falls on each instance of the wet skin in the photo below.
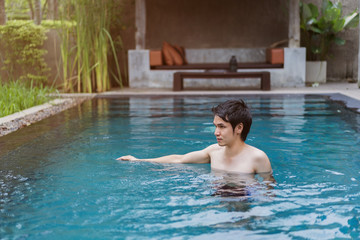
(231, 154)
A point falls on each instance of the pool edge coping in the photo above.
(26, 117)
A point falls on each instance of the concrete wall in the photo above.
(216, 24)
(292, 75)
(213, 31)
(53, 57)
(240, 24)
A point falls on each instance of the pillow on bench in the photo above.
(181, 50)
(156, 58)
(172, 56)
(275, 55)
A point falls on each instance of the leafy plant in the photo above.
(17, 95)
(21, 51)
(57, 24)
(320, 29)
(88, 53)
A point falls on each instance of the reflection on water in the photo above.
(237, 190)
(59, 177)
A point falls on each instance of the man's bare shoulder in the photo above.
(261, 160)
(213, 147)
(256, 151)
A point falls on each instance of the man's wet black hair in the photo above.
(235, 112)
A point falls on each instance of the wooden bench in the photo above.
(178, 83)
(218, 66)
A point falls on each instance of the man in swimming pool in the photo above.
(232, 120)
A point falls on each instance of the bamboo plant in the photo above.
(87, 56)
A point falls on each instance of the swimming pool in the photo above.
(59, 177)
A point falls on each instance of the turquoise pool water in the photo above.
(59, 178)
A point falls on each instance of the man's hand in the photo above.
(127, 158)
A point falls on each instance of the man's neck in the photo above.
(235, 148)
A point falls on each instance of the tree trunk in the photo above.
(37, 12)
(2, 12)
(52, 9)
(31, 9)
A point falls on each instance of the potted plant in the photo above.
(319, 31)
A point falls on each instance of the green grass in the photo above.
(16, 96)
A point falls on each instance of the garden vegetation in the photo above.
(88, 52)
(16, 96)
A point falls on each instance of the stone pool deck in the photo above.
(346, 92)
(348, 89)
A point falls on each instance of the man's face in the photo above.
(224, 133)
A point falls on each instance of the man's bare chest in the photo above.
(240, 163)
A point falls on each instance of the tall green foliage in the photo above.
(91, 47)
(21, 51)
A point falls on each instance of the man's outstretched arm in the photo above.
(201, 156)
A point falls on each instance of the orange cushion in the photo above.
(166, 53)
(176, 56)
(173, 54)
(155, 58)
(275, 55)
(181, 50)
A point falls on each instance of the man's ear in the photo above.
(239, 128)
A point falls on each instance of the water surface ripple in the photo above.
(59, 178)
